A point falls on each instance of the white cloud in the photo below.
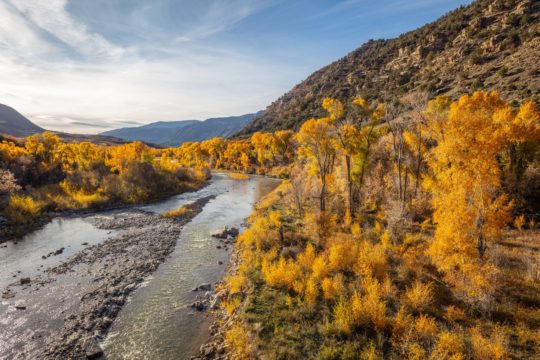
(60, 74)
(51, 16)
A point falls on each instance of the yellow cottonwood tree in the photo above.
(469, 208)
(316, 139)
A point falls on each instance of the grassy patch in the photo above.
(238, 176)
(179, 212)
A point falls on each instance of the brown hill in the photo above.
(490, 44)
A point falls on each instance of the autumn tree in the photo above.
(316, 139)
(469, 206)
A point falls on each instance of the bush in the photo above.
(236, 337)
(22, 209)
(419, 296)
(179, 212)
(89, 200)
(238, 176)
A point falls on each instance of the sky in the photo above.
(87, 66)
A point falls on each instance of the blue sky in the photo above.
(91, 65)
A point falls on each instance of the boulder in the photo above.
(92, 349)
(214, 305)
(220, 234)
(205, 287)
(198, 305)
(226, 233)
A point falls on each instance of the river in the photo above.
(156, 322)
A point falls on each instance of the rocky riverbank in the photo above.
(102, 277)
(10, 231)
(215, 348)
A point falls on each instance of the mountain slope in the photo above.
(174, 133)
(14, 124)
(156, 133)
(490, 44)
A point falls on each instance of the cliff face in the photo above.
(490, 44)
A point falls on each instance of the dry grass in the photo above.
(179, 212)
(22, 209)
(238, 176)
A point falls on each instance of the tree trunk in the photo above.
(349, 185)
(323, 195)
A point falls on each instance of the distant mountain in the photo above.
(175, 133)
(14, 124)
(488, 45)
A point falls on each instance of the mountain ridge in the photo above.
(174, 133)
(487, 45)
(14, 123)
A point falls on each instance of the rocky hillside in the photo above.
(14, 124)
(490, 44)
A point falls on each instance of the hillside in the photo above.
(156, 133)
(174, 133)
(486, 45)
(14, 124)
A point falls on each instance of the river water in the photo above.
(157, 322)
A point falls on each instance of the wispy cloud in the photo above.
(61, 68)
(87, 66)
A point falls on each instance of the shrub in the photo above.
(454, 314)
(402, 326)
(8, 183)
(88, 200)
(519, 222)
(448, 346)
(236, 337)
(341, 256)
(343, 316)
(281, 274)
(425, 326)
(238, 176)
(370, 352)
(333, 287)
(22, 209)
(493, 346)
(178, 212)
(371, 260)
(416, 352)
(419, 296)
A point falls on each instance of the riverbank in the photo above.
(10, 231)
(89, 288)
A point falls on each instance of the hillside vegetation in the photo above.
(403, 230)
(488, 45)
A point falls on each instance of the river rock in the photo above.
(220, 234)
(92, 349)
(207, 350)
(198, 305)
(217, 300)
(233, 232)
(225, 233)
(204, 287)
